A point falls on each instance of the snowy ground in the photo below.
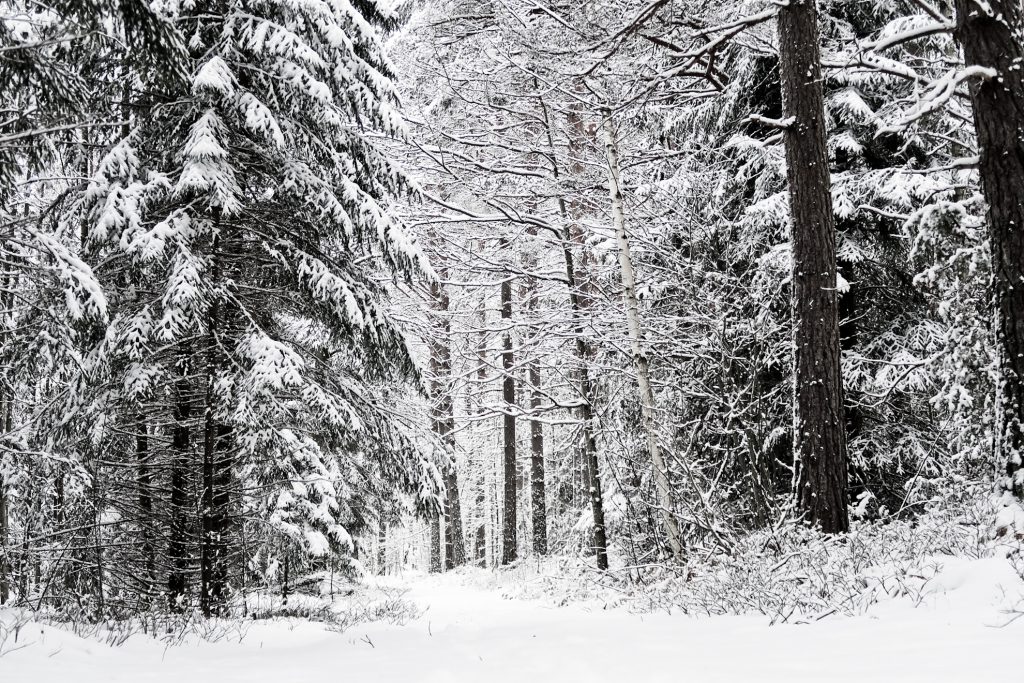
(958, 633)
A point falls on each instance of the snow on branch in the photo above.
(781, 124)
(941, 92)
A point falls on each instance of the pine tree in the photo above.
(272, 330)
(992, 36)
(819, 424)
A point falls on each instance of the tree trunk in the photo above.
(435, 542)
(5, 586)
(991, 35)
(538, 497)
(819, 430)
(177, 545)
(5, 566)
(443, 409)
(640, 362)
(454, 542)
(591, 474)
(509, 545)
(146, 522)
(214, 500)
(6, 426)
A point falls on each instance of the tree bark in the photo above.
(5, 586)
(146, 522)
(435, 542)
(382, 547)
(216, 454)
(991, 35)
(591, 474)
(177, 545)
(454, 542)
(640, 362)
(6, 426)
(5, 566)
(509, 544)
(444, 425)
(538, 495)
(819, 431)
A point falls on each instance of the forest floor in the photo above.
(961, 629)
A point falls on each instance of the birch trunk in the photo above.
(640, 362)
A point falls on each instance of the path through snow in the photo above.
(474, 635)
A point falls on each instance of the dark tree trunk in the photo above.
(538, 497)
(454, 542)
(509, 545)
(443, 409)
(220, 517)
(213, 517)
(992, 40)
(577, 302)
(177, 545)
(592, 477)
(146, 523)
(5, 567)
(435, 542)
(6, 425)
(819, 429)
(206, 551)
(5, 587)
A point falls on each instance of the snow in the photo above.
(468, 631)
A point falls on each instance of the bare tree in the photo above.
(640, 361)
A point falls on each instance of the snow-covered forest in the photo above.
(327, 324)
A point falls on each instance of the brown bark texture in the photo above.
(992, 36)
(509, 544)
(820, 452)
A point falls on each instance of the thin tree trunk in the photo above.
(444, 425)
(177, 546)
(220, 513)
(819, 431)
(538, 496)
(206, 514)
(991, 35)
(207, 551)
(509, 545)
(435, 542)
(5, 587)
(97, 503)
(455, 544)
(5, 566)
(592, 477)
(483, 500)
(7, 425)
(146, 522)
(640, 362)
